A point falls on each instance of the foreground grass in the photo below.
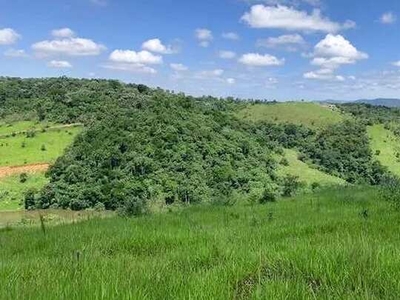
(12, 191)
(305, 173)
(388, 145)
(302, 113)
(339, 244)
(20, 150)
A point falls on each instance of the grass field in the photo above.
(338, 244)
(388, 145)
(306, 113)
(20, 150)
(12, 191)
(9, 128)
(306, 173)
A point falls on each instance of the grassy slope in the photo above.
(388, 144)
(332, 245)
(9, 128)
(12, 190)
(306, 173)
(13, 154)
(308, 114)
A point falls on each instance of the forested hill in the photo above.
(143, 145)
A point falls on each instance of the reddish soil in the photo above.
(33, 168)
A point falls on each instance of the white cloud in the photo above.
(259, 60)
(284, 17)
(231, 81)
(388, 18)
(8, 36)
(287, 39)
(204, 36)
(131, 67)
(212, 73)
(396, 63)
(325, 74)
(63, 33)
(231, 36)
(15, 53)
(155, 45)
(69, 46)
(227, 54)
(133, 57)
(179, 67)
(59, 64)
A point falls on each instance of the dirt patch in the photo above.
(32, 168)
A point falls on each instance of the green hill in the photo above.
(303, 113)
(386, 147)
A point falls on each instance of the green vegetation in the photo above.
(337, 244)
(304, 172)
(386, 147)
(305, 113)
(22, 149)
(12, 190)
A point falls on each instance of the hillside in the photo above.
(304, 172)
(337, 244)
(386, 147)
(380, 102)
(300, 113)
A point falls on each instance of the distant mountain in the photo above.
(381, 102)
(388, 102)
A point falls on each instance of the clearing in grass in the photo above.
(386, 147)
(301, 113)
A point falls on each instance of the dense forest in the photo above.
(143, 144)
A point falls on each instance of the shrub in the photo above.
(268, 195)
(43, 148)
(291, 185)
(133, 207)
(377, 152)
(390, 190)
(284, 162)
(29, 201)
(23, 177)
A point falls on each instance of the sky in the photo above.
(267, 49)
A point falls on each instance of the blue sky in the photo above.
(270, 49)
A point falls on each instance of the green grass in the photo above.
(309, 114)
(9, 128)
(306, 173)
(12, 191)
(388, 144)
(12, 152)
(338, 244)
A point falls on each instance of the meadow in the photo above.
(386, 147)
(334, 244)
(304, 172)
(301, 113)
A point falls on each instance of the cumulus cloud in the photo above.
(388, 18)
(179, 67)
(231, 36)
(8, 36)
(204, 36)
(59, 64)
(65, 43)
(396, 63)
(15, 53)
(289, 18)
(287, 39)
(259, 60)
(155, 45)
(331, 53)
(226, 54)
(63, 33)
(133, 61)
(133, 57)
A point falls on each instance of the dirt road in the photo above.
(32, 168)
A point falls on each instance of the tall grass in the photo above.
(314, 246)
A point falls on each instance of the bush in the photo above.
(268, 196)
(284, 162)
(30, 200)
(390, 190)
(23, 177)
(133, 207)
(377, 152)
(291, 185)
(43, 148)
